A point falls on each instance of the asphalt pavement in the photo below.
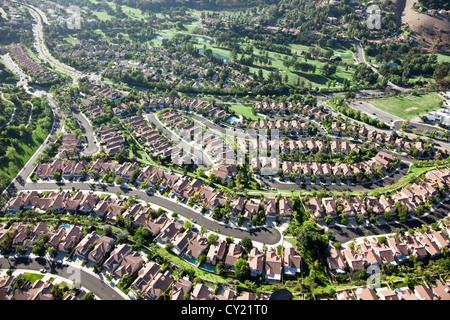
(94, 284)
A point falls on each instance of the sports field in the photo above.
(409, 106)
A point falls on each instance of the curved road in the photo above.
(102, 290)
(264, 234)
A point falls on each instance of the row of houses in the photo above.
(271, 206)
(392, 251)
(111, 141)
(213, 143)
(89, 203)
(315, 146)
(295, 126)
(440, 290)
(419, 194)
(383, 162)
(70, 144)
(190, 245)
(63, 238)
(72, 169)
(291, 108)
(389, 141)
(159, 144)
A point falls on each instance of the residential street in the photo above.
(101, 289)
(264, 234)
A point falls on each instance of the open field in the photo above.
(409, 107)
(243, 110)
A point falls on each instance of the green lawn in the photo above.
(32, 277)
(409, 107)
(244, 110)
(443, 58)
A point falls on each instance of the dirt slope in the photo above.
(428, 30)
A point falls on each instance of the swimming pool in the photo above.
(64, 226)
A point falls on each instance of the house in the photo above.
(399, 249)
(224, 294)
(130, 264)
(171, 229)
(291, 262)
(330, 206)
(181, 241)
(201, 292)
(354, 261)
(336, 261)
(424, 293)
(235, 251)
(405, 294)
(440, 238)
(82, 249)
(238, 206)
(316, 208)
(273, 266)
(145, 276)
(415, 247)
(154, 226)
(160, 284)
(386, 294)
(216, 251)
(270, 206)
(385, 253)
(345, 295)
(38, 290)
(441, 289)
(366, 294)
(375, 204)
(102, 246)
(430, 246)
(255, 262)
(286, 208)
(180, 287)
(196, 247)
(251, 208)
(114, 260)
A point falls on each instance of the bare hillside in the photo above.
(433, 32)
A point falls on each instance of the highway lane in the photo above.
(92, 283)
(264, 234)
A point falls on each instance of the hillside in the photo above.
(432, 32)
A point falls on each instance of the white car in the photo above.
(43, 271)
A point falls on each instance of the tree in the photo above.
(240, 269)
(247, 243)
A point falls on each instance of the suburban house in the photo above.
(273, 266)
